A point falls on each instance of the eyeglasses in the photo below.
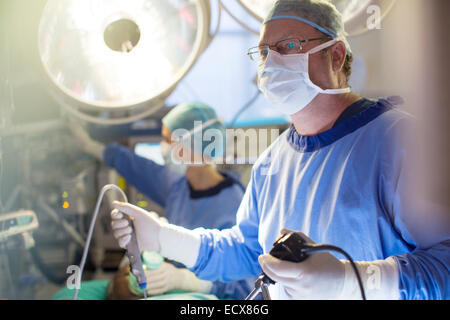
(284, 47)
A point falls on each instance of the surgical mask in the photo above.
(193, 140)
(167, 151)
(285, 80)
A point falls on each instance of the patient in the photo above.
(162, 282)
(118, 287)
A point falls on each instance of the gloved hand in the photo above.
(147, 227)
(322, 276)
(169, 278)
(85, 142)
(170, 241)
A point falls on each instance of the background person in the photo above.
(193, 196)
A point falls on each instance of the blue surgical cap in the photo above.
(198, 117)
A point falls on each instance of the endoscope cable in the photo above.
(91, 231)
(314, 248)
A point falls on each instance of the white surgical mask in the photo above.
(285, 81)
(167, 152)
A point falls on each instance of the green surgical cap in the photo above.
(196, 117)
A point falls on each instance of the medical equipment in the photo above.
(288, 247)
(133, 251)
(261, 286)
(293, 247)
(134, 255)
(15, 223)
(15, 234)
(151, 261)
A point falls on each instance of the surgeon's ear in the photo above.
(338, 54)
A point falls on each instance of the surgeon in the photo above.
(341, 175)
(192, 191)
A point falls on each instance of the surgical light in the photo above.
(115, 55)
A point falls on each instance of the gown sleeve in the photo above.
(423, 272)
(236, 290)
(151, 179)
(232, 254)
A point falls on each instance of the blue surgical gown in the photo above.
(215, 208)
(347, 187)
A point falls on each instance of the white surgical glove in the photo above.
(170, 241)
(168, 278)
(323, 277)
(86, 143)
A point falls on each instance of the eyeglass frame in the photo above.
(257, 48)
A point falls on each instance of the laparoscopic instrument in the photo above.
(293, 247)
(133, 251)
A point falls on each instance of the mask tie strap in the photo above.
(337, 91)
(322, 46)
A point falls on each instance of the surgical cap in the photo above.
(196, 117)
(319, 14)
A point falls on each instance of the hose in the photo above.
(91, 231)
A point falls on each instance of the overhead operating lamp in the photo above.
(113, 61)
(354, 12)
